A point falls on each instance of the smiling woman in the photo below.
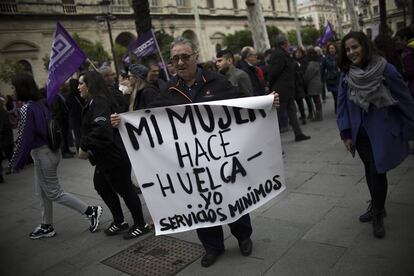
(375, 117)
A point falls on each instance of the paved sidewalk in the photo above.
(312, 228)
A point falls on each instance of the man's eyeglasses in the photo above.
(184, 58)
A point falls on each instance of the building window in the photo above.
(154, 3)
(273, 5)
(400, 25)
(27, 67)
(375, 9)
(210, 4)
(235, 5)
(288, 5)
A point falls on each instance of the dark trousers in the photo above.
(317, 101)
(64, 125)
(290, 107)
(301, 107)
(212, 237)
(310, 107)
(377, 182)
(116, 181)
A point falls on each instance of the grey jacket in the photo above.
(313, 78)
(240, 79)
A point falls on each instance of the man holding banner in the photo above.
(191, 85)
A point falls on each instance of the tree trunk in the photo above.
(297, 25)
(257, 25)
(141, 16)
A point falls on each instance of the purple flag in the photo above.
(65, 59)
(144, 45)
(328, 34)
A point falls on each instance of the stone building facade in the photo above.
(27, 26)
(318, 12)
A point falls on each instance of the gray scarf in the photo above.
(366, 86)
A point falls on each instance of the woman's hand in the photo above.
(276, 101)
(348, 144)
(115, 120)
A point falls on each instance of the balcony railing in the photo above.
(69, 8)
(8, 7)
(121, 9)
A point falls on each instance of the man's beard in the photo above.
(224, 70)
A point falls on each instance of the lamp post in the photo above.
(361, 20)
(107, 17)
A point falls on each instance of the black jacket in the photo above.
(214, 87)
(98, 135)
(281, 74)
(118, 96)
(258, 86)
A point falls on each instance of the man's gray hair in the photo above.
(183, 41)
(105, 70)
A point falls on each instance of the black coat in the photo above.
(119, 97)
(281, 74)
(98, 136)
(300, 85)
(214, 87)
(258, 86)
(6, 131)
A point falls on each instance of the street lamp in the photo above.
(108, 18)
(361, 20)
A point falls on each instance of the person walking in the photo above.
(375, 117)
(33, 140)
(112, 176)
(282, 79)
(313, 82)
(330, 72)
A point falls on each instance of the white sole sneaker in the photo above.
(98, 219)
(48, 235)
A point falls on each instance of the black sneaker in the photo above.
(95, 218)
(301, 137)
(115, 228)
(137, 231)
(42, 232)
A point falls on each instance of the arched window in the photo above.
(27, 67)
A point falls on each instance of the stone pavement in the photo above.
(312, 228)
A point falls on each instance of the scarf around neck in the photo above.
(366, 86)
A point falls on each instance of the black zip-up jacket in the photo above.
(258, 86)
(214, 87)
(98, 135)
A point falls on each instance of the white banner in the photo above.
(205, 164)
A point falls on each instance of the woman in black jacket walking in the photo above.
(100, 145)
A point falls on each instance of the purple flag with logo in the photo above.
(328, 34)
(65, 59)
(144, 45)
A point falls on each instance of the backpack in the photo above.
(54, 132)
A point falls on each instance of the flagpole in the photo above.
(91, 63)
(159, 52)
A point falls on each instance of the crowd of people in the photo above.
(375, 115)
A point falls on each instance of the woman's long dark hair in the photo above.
(97, 86)
(343, 62)
(25, 87)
